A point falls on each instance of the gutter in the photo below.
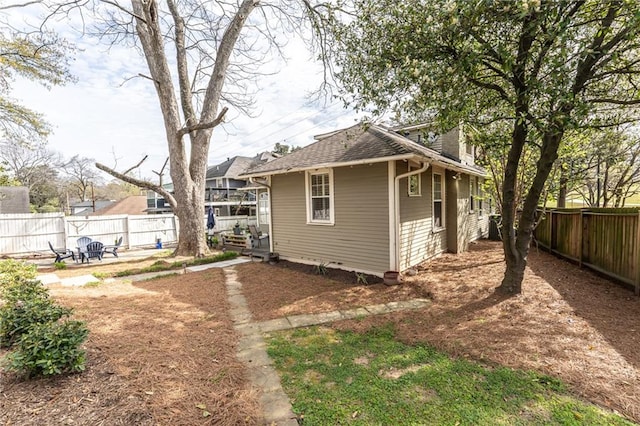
(332, 165)
(395, 228)
(449, 165)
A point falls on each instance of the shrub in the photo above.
(44, 342)
(50, 348)
(14, 271)
(26, 305)
(60, 265)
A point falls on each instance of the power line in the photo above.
(252, 144)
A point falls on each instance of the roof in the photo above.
(235, 166)
(362, 143)
(230, 168)
(132, 205)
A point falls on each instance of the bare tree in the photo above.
(82, 174)
(218, 47)
(26, 162)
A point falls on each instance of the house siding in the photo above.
(477, 225)
(470, 225)
(359, 238)
(418, 241)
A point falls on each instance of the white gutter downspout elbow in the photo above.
(395, 264)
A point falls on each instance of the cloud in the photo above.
(115, 119)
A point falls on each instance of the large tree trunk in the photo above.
(516, 244)
(188, 171)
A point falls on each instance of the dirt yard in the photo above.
(161, 352)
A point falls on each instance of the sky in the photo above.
(115, 119)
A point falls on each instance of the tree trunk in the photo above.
(516, 246)
(562, 192)
(514, 272)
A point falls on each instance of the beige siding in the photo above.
(477, 222)
(359, 239)
(418, 241)
(472, 224)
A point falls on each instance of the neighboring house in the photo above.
(156, 204)
(370, 199)
(84, 208)
(227, 193)
(131, 205)
(14, 199)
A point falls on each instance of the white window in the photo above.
(438, 201)
(414, 185)
(320, 197)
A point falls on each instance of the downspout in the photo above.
(266, 185)
(395, 266)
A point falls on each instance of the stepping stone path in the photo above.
(252, 349)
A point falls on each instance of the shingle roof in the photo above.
(236, 166)
(362, 142)
(230, 168)
(132, 205)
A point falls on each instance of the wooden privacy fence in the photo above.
(606, 240)
(30, 233)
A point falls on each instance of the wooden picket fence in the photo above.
(30, 233)
(605, 240)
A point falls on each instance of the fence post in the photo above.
(580, 237)
(551, 245)
(638, 255)
(176, 226)
(65, 231)
(127, 230)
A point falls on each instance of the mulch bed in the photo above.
(163, 351)
(287, 288)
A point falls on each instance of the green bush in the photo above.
(60, 265)
(24, 305)
(42, 339)
(14, 271)
(50, 348)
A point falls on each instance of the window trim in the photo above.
(472, 193)
(480, 195)
(419, 180)
(307, 181)
(442, 201)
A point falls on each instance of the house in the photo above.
(131, 205)
(229, 194)
(156, 204)
(372, 199)
(225, 191)
(83, 208)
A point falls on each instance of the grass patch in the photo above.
(343, 377)
(162, 265)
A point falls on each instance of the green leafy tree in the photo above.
(543, 68)
(37, 56)
(606, 171)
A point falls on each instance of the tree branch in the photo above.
(136, 166)
(201, 126)
(614, 101)
(140, 183)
